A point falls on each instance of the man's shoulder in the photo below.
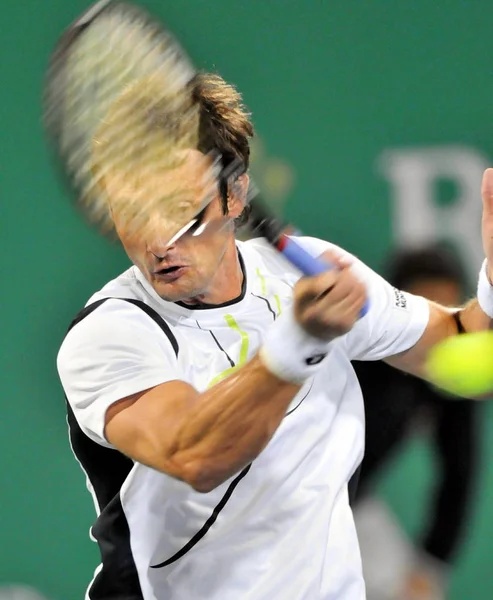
(120, 301)
(115, 324)
(125, 285)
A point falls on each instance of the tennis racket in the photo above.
(111, 73)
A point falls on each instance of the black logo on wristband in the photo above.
(315, 359)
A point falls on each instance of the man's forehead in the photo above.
(176, 194)
(186, 171)
(191, 164)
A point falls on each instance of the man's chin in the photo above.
(175, 292)
(170, 295)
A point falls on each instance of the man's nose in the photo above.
(160, 248)
(160, 237)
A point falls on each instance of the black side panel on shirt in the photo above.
(107, 469)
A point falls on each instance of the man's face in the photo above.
(188, 268)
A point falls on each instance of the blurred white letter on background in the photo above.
(417, 215)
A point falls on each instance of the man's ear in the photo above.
(237, 196)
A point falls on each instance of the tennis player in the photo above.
(211, 399)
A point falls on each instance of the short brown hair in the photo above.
(224, 121)
(209, 117)
(225, 124)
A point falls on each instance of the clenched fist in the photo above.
(328, 305)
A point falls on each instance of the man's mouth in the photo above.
(168, 269)
(170, 273)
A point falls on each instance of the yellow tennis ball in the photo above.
(463, 364)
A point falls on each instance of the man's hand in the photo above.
(487, 220)
(328, 305)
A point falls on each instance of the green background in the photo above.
(331, 85)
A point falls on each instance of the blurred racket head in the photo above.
(118, 111)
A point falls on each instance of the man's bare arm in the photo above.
(443, 322)
(202, 439)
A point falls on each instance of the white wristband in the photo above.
(289, 352)
(485, 292)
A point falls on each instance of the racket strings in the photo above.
(122, 113)
(144, 136)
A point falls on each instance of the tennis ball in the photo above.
(463, 364)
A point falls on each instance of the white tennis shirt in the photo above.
(282, 529)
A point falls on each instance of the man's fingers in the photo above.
(487, 193)
(339, 302)
(345, 286)
(329, 304)
(335, 260)
(309, 288)
(334, 285)
(339, 317)
(346, 293)
(342, 304)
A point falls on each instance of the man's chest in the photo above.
(211, 349)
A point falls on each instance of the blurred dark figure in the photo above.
(396, 403)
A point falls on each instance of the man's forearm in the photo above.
(202, 438)
(232, 423)
(443, 323)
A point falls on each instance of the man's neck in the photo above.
(227, 283)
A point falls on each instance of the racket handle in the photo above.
(306, 262)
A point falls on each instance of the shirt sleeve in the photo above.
(395, 321)
(116, 351)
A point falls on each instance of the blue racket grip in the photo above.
(307, 263)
